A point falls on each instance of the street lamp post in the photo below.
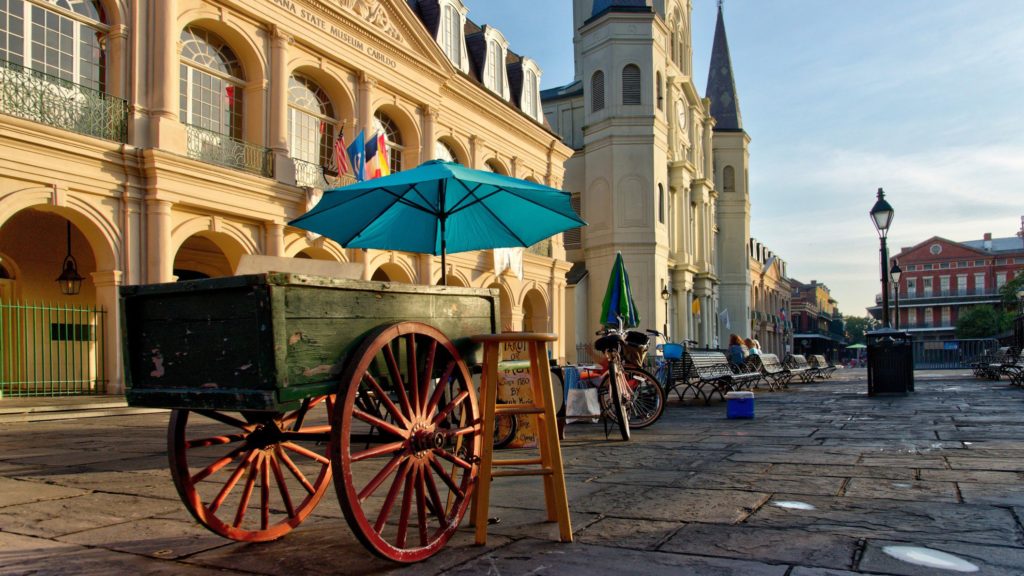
(666, 296)
(881, 215)
(1019, 324)
(895, 272)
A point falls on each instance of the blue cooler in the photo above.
(739, 404)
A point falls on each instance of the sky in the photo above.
(924, 98)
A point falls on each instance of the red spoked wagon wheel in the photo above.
(251, 476)
(406, 441)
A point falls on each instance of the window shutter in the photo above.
(573, 238)
(597, 91)
(631, 84)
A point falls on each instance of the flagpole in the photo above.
(444, 243)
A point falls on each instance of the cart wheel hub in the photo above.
(263, 436)
(424, 440)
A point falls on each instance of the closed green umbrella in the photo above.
(618, 298)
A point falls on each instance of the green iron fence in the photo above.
(57, 102)
(215, 148)
(51, 350)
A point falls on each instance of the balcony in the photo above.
(40, 97)
(312, 175)
(215, 148)
(542, 248)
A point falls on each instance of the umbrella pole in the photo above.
(444, 267)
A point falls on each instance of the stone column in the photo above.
(284, 168)
(117, 61)
(159, 258)
(274, 241)
(429, 121)
(107, 283)
(366, 87)
(166, 130)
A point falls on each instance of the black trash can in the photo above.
(890, 362)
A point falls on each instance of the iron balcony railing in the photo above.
(209, 146)
(56, 102)
(51, 349)
(316, 176)
(542, 248)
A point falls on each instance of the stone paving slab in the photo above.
(694, 494)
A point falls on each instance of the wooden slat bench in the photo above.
(772, 371)
(821, 366)
(798, 365)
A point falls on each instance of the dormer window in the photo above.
(530, 97)
(494, 76)
(450, 34)
(495, 67)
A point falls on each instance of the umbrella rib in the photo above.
(399, 198)
(479, 199)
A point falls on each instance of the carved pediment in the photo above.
(373, 13)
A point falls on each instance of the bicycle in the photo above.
(647, 399)
(612, 343)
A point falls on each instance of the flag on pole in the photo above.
(341, 154)
(695, 307)
(723, 317)
(377, 157)
(357, 155)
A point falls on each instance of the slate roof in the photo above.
(603, 6)
(1011, 244)
(725, 103)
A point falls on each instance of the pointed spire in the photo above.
(725, 103)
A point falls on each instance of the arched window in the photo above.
(597, 91)
(661, 204)
(211, 83)
(442, 151)
(530, 94)
(451, 35)
(631, 84)
(311, 122)
(495, 67)
(729, 179)
(69, 48)
(382, 123)
(660, 90)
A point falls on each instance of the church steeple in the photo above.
(602, 6)
(725, 104)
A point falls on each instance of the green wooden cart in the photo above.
(277, 382)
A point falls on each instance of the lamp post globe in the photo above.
(881, 216)
(895, 273)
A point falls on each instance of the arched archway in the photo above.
(207, 255)
(391, 272)
(535, 312)
(508, 322)
(35, 244)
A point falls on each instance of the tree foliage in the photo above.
(1009, 291)
(983, 322)
(856, 326)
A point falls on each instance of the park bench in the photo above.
(705, 373)
(822, 368)
(989, 365)
(798, 365)
(771, 369)
(1013, 368)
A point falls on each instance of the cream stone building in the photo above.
(770, 320)
(165, 140)
(659, 172)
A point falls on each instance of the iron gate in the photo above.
(51, 349)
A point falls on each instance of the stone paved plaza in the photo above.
(941, 468)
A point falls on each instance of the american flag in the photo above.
(340, 155)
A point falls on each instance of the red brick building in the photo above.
(942, 277)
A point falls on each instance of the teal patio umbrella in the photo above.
(618, 298)
(439, 208)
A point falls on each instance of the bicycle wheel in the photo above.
(618, 388)
(647, 402)
(505, 428)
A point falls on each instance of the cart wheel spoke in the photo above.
(386, 463)
(250, 483)
(282, 486)
(381, 476)
(231, 483)
(258, 444)
(396, 380)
